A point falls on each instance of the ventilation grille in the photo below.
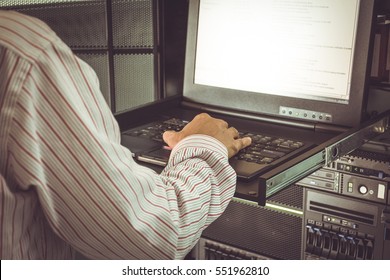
(134, 82)
(15, 3)
(256, 229)
(99, 62)
(370, 155)
(291, 196)
(81, 25)
(125, 65)
(132, 25)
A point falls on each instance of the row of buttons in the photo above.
(341, 225)
(306, 115)
(365, 190)
(327, 244)
(303, 114)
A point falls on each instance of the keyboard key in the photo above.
(271, 154)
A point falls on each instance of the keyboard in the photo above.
(263, 150)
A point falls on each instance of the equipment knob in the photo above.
(363, 189)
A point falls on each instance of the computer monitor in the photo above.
(303, 60)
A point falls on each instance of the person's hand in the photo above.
(217, 128)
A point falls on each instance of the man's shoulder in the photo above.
(25, 35)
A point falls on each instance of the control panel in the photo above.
(361, 174)
(305, 114)
(338, 227)
(364, 188)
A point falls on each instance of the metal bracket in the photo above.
(356, 139)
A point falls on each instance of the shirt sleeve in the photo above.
(65, 145)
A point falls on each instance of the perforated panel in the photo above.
(265, 232)
(81, 25)
(87, 26)
(134, 81)
(99, 62)
(132, 25)
(13, 3)
(291, 196)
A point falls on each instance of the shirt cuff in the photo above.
(201, 141)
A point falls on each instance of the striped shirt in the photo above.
(67, 184)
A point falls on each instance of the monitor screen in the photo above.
(287, 58)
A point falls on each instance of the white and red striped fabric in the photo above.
(66, 183)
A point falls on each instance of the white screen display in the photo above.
(282, 47)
